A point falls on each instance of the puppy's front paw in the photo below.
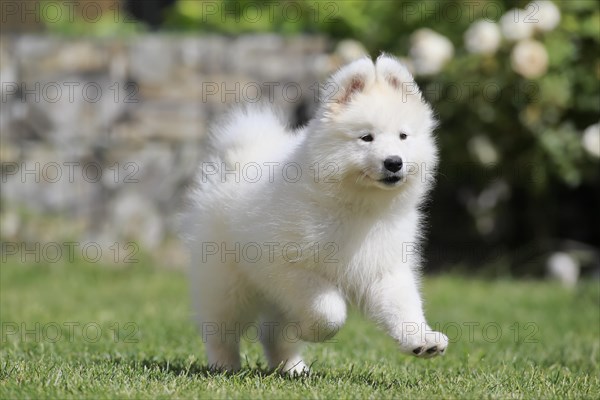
(294, 369)
(424, 343)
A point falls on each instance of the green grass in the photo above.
(548, 347)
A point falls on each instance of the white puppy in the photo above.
(286, 228)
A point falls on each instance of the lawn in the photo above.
(75, 331)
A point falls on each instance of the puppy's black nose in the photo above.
(393, 163)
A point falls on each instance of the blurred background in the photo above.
(104, 104)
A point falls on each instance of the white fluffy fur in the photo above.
(364, 233)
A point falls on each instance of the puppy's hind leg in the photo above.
(283, 351)
(309, 309)
(222, 313)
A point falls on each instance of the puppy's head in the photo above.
(374, 128)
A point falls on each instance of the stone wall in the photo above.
(99, 138)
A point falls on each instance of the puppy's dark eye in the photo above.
(403, 136)
(367, 138)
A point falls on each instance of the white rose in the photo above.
(564, 268)
(591, 140)
(529, 58)
(482, 37)
(544, 14)
(430, 51)
(515, 24)
(482, 148)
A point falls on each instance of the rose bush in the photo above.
(517, 94)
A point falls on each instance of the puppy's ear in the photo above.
(394, 73)
(352, 79)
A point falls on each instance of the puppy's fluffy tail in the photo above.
(249, 134)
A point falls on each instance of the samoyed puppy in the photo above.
(286, 228)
